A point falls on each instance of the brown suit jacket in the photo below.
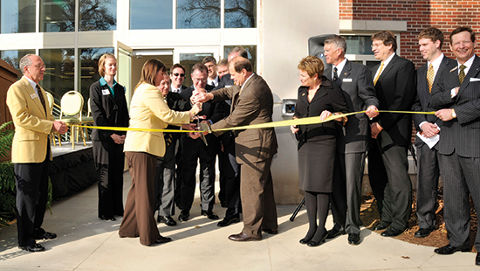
(252, 105)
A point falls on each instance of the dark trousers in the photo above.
(192, 151)
(258, 202)
(165, 181)
(460, 179)
(427, 185)
(138, 219)
(397, 194)
(347, 192)
(230, 172)
(110, 185)
(31, 180)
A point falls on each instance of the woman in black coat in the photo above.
(109, 108)
(317, 96)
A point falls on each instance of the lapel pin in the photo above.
(303, 94)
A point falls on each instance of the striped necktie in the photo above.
(430, 77)
(461, 74)
(40, 96)
(378, 74)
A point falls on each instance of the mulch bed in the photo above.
(370, 218)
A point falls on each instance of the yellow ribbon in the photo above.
(300, 121)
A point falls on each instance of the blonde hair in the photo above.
(312, 65)
(101, 63)
(150, 70)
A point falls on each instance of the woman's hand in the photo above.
(196, 108)
(325, 114)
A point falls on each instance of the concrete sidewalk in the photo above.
(86, 243)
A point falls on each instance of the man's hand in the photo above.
(118, 139)
(200, 97)
(190, 126)
(325, 114)
(294, 129)
(59, 127)
(376, 129)
(196, 108)
(194, 135)
(372, 111)
(444, 114)
(429, 129)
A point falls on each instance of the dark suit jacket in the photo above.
(225, 81)
(395, 90)
(328, 97)
(422, 101)
(108, 110)
(460, 135)
(252, 105)
(357, 84)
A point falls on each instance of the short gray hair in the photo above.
(339, 42)
(25, 61)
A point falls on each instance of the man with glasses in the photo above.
(211, 63)
(177, 76)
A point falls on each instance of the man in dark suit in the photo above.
(394, 81)
(356, 82)
(458, 96)
(177, 76)
(252, 103)
(430, 40)
(165, 177)
(211, 63)
(31, 153)
(194, 149)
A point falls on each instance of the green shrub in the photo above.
(7, 177)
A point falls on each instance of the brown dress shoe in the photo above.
(244, 237)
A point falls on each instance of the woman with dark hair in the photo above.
(317, 96)
(109, 108)
(148, 110)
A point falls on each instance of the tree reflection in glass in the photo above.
(98, 15)
(198, 13)
(240, 13)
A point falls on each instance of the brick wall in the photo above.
(445, 15)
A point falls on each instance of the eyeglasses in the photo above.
(179, 74)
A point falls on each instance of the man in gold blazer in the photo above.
(252, 103)
(31, 151)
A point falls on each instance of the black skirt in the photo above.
(316, 159)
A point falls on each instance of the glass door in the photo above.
(187, 57)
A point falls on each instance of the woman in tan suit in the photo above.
(148, 110)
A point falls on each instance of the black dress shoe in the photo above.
(33, 248)
(421, 233)
(477, 259)
(270, 231)
(448, 249)
(184, 216)
(241, 237)
(167, 220)
(111, 218)
(391, 232)
(334, 232)
(210, 215)
(304, 241)
(228, 220)
(45, 235)
(381, 226)
(354, 238)
(162, 240)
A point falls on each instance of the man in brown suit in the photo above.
(252, 103)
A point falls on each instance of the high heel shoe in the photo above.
(313, 243)
(304, 241)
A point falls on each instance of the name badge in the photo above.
(347, 80)
(34, 95)
(105, 92)
(472, 79)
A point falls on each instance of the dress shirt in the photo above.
(385, 64)
(33, 84)
(213, 82)
(339, 67)
(246, 81)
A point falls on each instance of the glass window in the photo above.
(13, 57)
(359, 45)
(17, 16)
(198, 13)
(98, 15)
(57, 15)
(240, 13)
(147, 14)
(89, 68)
(59, 74)
(252, 53)
(187, 61)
